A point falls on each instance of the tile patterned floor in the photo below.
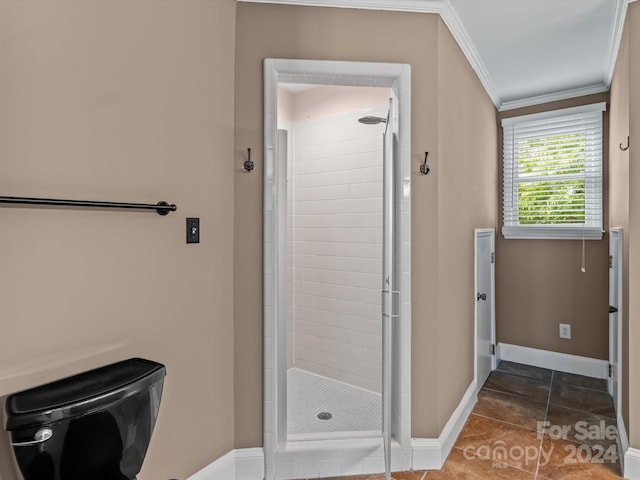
(532, 424)
(353, 409)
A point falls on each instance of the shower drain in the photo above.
(325, 416)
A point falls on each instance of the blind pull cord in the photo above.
(584, 261)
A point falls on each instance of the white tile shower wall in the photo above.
(337, 247)
(285, 122)
(290, 258)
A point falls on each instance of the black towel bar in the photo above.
(162, 208)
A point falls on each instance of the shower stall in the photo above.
(333, 259)
(337, 304)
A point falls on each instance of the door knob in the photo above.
(481, 296)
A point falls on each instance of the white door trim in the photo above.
(617, 267)
(281, 455)
(478, 234)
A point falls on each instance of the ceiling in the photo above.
(525, 52)
(535, 49)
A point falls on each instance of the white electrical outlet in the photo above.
(565, 330)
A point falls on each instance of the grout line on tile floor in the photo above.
(520, 374)
(513, 394)
(581, 386)
(582, 411)
(482, 457)
(506, 423)
(546, 415)
(507, 393)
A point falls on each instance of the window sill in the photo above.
(535, 232)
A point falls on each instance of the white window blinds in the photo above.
(553, 174)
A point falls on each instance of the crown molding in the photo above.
(441, 7)
(615, 38)
(453, 22)
(447, 13)
(423, 6)
(554, 97)
(419, 6)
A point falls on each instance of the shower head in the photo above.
(372, 120)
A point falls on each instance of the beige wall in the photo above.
(539, 283)
(634, 227)
(439, 329)
(619, 189)
(123, 101)
(467, 197)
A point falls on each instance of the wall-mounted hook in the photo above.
(424, 168)
(624, 149)
(248, 164)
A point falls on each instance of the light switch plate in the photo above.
(193, 230)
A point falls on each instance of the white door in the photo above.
(615, 314)
(484, 240)
(390, 275)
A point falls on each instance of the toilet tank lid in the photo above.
(81, 393)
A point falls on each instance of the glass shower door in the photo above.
(390, 293)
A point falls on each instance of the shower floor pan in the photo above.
(353, 412)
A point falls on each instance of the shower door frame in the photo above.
(285, 458)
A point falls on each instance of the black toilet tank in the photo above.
(95, 425)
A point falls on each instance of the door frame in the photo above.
(477, 235)
(617, 266)
(282, 455)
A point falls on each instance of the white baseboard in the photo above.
(223, 467)
(632, 464)
(623, 440)
(431, 453)
(242, 464)
(334, 458)
(563, 362)
(249, 464)
(427, 453)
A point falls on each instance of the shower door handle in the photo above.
(394, 308)
(395, 304)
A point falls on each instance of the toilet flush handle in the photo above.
(41, 436)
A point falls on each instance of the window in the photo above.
(553, 174)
